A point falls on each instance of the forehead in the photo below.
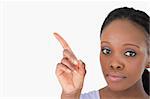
(123, 31)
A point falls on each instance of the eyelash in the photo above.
(106, 51)
(129, 53)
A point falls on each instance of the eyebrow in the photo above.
(131, 45)
(105, 42)
(126, 44)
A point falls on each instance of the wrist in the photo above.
(73, 95)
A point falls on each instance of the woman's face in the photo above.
(123, 54)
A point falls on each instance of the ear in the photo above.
(148, 65)
(148, 62)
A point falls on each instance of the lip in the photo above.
(115, 77)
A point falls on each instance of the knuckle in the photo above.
(63, 60)
(65, 51)
(82, 62)
(58, 65)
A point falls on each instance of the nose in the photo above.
(116, 64)
(116, 67)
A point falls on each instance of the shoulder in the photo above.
(90, 95)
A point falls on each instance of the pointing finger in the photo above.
(70, 56)
(62, 42)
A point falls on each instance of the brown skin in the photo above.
(71, 71)
(121, 36)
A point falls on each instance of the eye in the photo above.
(106, 51)
(130, 53)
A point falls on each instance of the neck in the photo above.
(136, 91)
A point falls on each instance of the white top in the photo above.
(90, 95)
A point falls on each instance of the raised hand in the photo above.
(70, 71)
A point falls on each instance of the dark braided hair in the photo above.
(141, 19)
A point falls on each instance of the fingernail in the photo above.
(75, 62)
(54, 33)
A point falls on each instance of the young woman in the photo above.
(124, 57)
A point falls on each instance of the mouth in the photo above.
(115, 77)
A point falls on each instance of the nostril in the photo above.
(111, 66)
(118, 67)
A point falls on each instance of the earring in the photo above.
(148, 65)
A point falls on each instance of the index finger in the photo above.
(62, 41)
(66, 47)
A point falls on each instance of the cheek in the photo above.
(135, 67)
(104, 61)
(137, 62)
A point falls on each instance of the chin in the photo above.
(116, 86)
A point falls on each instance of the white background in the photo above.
(29, 52)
